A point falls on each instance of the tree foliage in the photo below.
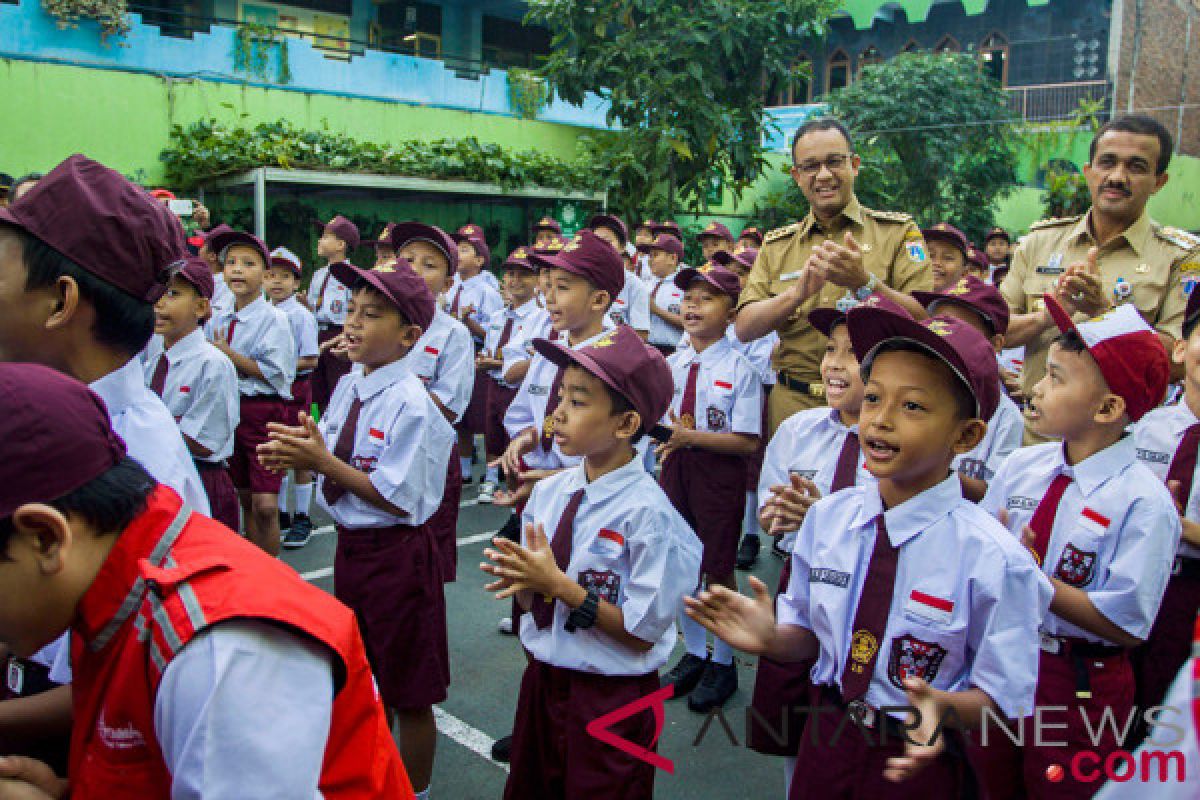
(684, 80)
(935, 136)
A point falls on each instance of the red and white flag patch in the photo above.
(184, 389)
(726, 385)
(433, 351)
(612, 536)
(376, 435)
(1094, 522)
(929, 606)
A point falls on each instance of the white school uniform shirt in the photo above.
(201, 392)
(329, 307)
(1012, 359)
(1005, 431)
(264, 334)
(528, 316)
(139, 417)
(758, 351)
(444, 360)
(728, 389)
(634, 549)
(632, 306)
(304, 329)
(965, 606)
(1114, 535)
(478, 292)
(402, 441)
(1157, 436)
(222, 296)
(669, 297)
(528, 408)
(520, 348)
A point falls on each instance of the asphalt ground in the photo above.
(486, 668)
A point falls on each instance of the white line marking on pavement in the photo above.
(316, 574)
(474, 501)
(486, 536)
(473, 739)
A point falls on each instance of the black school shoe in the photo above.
(298, 535)
(502, 749)
(748, 551)
(285, 520)
(685, 675)
(718, 685)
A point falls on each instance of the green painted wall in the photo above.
(123, 119)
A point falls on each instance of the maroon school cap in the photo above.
(745, 256)
(752, 233)
(343, 229)
(826, 319)
(398, 282)
(648, 224)
(405, 232)
(612, 223)
(588, 256)
(473, 235)
(105, 224)
(997, 233)
(629, 366)
(965, 350)
(195, 271)
(220, 243)
(47, 455)
(720, 278)
(667, 243)
(385, 238)
(216, 231)
(717, 230)
(282, 257)
(945, 232)
(519, 259)
(668, 226)
(977, 258)
(980, 296)
(551, 247)
(548, 224)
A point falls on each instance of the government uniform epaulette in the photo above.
(779, 233)
(1177, 237)
(1053, 222)
(888, 216)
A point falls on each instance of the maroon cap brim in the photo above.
(930, 299)
(932, 234)
(686, 277)
(826, 319)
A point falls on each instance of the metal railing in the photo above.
(1047, 102)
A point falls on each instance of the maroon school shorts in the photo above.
(444, 523)
(553, 755)
(474, 418)
(329, 369)
(780, 690)
(222, 497)
(1169, 645)
(244, 468)
(301, 399)
(709, 490)
(392, 579)
(495, 436)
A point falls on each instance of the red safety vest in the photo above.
(170, 575)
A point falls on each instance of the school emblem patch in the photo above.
(1075, 566)
(617, 316)
(716, 419)
(863, 646)
(914, 658)
(605, 583)
(336, 306)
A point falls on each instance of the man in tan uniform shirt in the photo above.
(834, 257)
(1112, 254)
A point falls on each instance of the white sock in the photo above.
(695, 637)
(789, 766)
(465, 461)
(422, 795)
(304, 492)
(493, 474)
(750, 517)
(722, 652)
(284, 492)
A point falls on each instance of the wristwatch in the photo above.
(585, 615)
(863, 292)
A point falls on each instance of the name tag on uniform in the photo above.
(830, 577)
(1094, 522)
(539, 390)
(790, 276)
(1053, 267)
(1153, 456)
(929, 606)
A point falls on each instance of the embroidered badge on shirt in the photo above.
(1075, 566)
(863, 645)
(914, 658)
(605, 583)
(716, 419)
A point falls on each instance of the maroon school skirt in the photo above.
(444, 522)
(222, 497)
(244, 468)
(473, 419)
(495, 436)
(301, 399)
(780, 690)
(709, 490)
(392, 579)
(329, 369)
(553, 755)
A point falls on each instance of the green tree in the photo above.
(684, 80)
(936, 138)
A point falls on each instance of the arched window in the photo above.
(948, 44)
(792, 89)
(837, 71)
(869, 56)
(993, 58)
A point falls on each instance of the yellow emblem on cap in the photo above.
(607, 340)
(546, 221)
(741, 248)
(939, 327)
(712, 226)
(469, 230)
(863, 646)
(959, 288)
(941, 226)
(572, 245)
(388, 267)
(519, 253)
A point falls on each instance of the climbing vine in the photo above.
(112, 15)
(527, 92)
(252, 49)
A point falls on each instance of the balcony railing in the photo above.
(1048, 102)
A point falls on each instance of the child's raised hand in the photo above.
(790, 504)
(294, 447)
(680, 438)
(510, 460)
(921, 748)
(746, 623)
(520, 567)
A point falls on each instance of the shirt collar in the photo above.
(716, 351)
(835, 419)
(523, 311)
(380, 379)
(188, 345)
(252, 309)
(1137, 235)
(1095, 470)
(120, 388)
(608, 485)
(287, 303)
(914, 515)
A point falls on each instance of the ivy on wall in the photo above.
(111, 14)
(252, 49)
(208, 149)
(527, 92)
